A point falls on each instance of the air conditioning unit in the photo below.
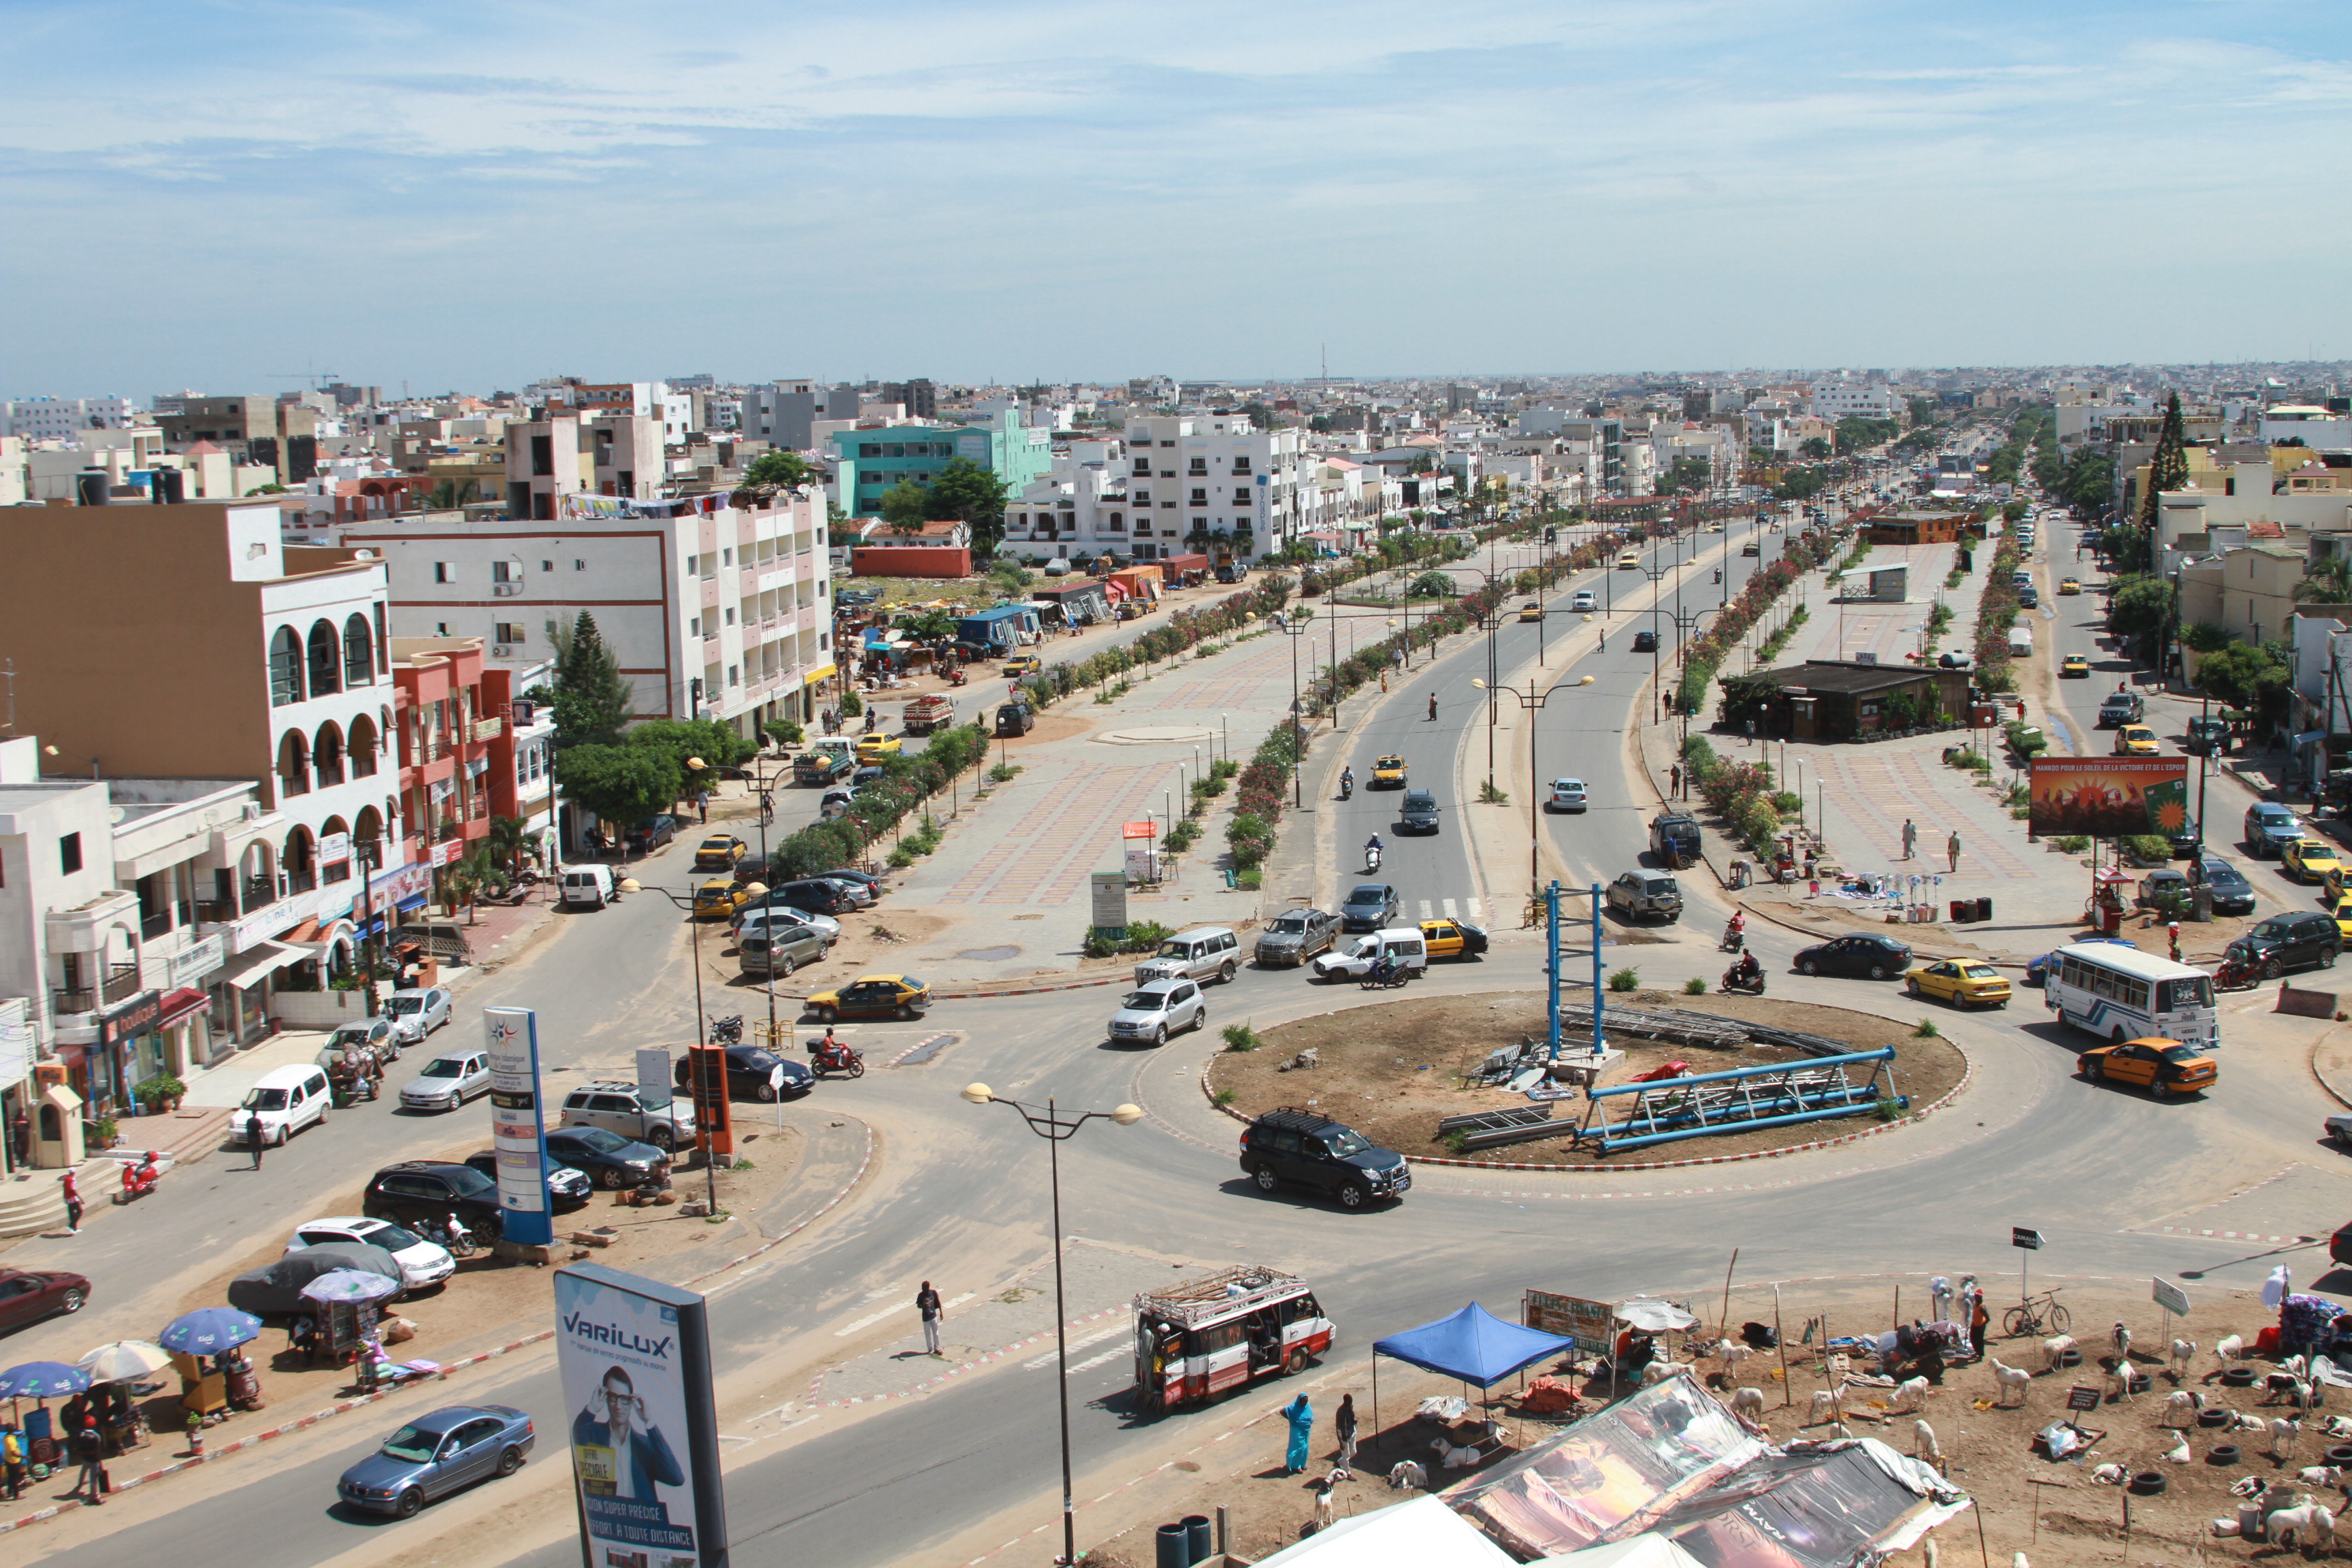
(502, 650)
(505, 590)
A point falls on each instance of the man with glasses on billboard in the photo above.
(623, 1455)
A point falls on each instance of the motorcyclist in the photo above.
(1373, 846)
(1746, 971)
(1734, 934)
(1347, 781)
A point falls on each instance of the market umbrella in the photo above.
(208, 1331)
(1653, 1316)
(124, 1361)
(42, 1380)
(350, 1284)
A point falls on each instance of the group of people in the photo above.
(1911, 843)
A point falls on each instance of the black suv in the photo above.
(1645, 642)
(1015, 719)
(428, 1192)
(2300, 941)
(1309, 1148)
(1419, 813)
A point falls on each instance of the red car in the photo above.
(26, 1296)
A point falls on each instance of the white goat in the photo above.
(1827, 1406)
(2120, 1338)
(2005, 1380)
(2054, 1351)
(1657, 1372)
(1747, 1401)
(1731, 1352)
(2184, 1403)
(2182, 1351)
(1910, 1395)
(1408, 1473)
(2284, 1432)
(2119, 1381)
(1323, 1509)
(2321, 1476)
(1923, 1443)
(2306, 1526)
(2228, 1350)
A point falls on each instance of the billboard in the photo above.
(516, 1128)
(2110, 797)
(634, 1356)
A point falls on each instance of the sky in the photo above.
(235, 195)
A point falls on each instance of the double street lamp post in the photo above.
(1056, 1127)
(1532, 701)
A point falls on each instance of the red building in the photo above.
(457, 747)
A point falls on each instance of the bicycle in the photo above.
(2024, 1319)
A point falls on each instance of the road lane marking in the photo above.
(1094, 1339)
(1449, 911)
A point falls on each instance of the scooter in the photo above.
(453, 1235)
(1347, 786)
(1384, 973)
(139, 1180)
(1733, 941)
(1736, 982)
(956, 676)
(843, 1058)
(727, 1031)
(1372, 861)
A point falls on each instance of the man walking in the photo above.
(254, 1135)
(1346, 1423)
(72, 1189)
(1910, 838)
(90, 1449)
(927, 1302)
(1952, 848)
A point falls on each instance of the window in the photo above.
(358, 652)
(727, 557)
(547, 565)
(285, 667)
(502, 572)
(1240, 465)
(694, 626)
(443, 629)
(1200, 497)
(441, 571)
(1199, 465)
(730, 615)
(507, 632)
(69, 852)
(1143, 466)
(580, 565)
(326, 668)
(734, 675)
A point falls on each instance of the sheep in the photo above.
(2054, 1351)
(2182, 1352)
(2339, 1427)
(2321, 1475)
(1909, 1395)
(2120, 1338)
(2306, 1526)
(1923, 1443)
(2295, 1366)
(2119, 1382)
(2017, 1559)
(1827, 1406)
(2183, 1404)
(2179, 1453)
(1748, 1402)
(2005, 1379)
(2284, 1432)
(1731, 1352)
(1657, 1372)
(2228, 1350)
(1408, 1473)
(2108, 1475)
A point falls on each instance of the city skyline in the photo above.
(215, 196)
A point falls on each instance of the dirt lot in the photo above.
(1394, 1083)
(2058, 1514)
(859, 952)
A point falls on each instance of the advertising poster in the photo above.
(2109, 797)
(517, 1127)
(1589, 1323)
(635, 1362)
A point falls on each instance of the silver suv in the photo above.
(1646, 895)
(1295, 936)
(1212, 953)
(620, 1108)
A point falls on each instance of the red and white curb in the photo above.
(933, 1042)
(810, 1401)
(1613, 1168)
(2230, 1235)
(223, 1450)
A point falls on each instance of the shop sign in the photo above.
(135, 1017)
(193, 961)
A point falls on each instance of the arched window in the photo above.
(326, 659)
(327, 756)
(335, 870)
(300, 861)
(368, 827)
(293, 765)
(363, 745)
(285, 667)
(358, 652)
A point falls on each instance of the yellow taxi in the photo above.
(1531, 611)
(2164, 1068)
(872, 997)
(874, 748)
(2310, 860)
(1631, 561)
(718, 852)
(2070, 585)
(1453, 939)
(1960, 981)
(719, 899)
(1024, 664)
(2344, 921)
(2075, 667)
(2135, 741)
(1389, 772)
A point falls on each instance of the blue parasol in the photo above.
(42, 1380)
(208, 1331)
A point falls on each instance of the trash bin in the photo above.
(1196, 1536)
(1984, 909)
(1961, 909)
(1175, 1547)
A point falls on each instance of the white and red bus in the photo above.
(1221, 1330)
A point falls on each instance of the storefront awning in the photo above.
(180, 1003)
(262, 959)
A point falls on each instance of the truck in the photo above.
(924, 714)
(828, 759)
(1674, 838)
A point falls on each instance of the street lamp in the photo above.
(1057, 1130)
(704, 1132)
(1530, 701)
(1281, 622)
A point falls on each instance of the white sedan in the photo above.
(417, 1012)
(1567, 794)
(422, 1262)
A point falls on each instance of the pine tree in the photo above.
(593, 702)
(2169, 469)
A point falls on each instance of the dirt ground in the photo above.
(2058, 1514)
(1393, 1084)
(859, 952)
(487, 1302)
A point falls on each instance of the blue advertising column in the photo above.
(517, 1129)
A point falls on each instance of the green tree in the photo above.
(785, 468)
(2140, 607)
(927, 626)
(2329, 583)
(906, 505)
(621, 785)
(592, 700)
(2169, 469)
(2246, 676)
(972, 493)
(511, 841)
(448, 495)
(713, 740)
(1689, 474)
(1812, 448)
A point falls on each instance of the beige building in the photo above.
(2249, 590)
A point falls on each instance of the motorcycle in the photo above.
(1371, 860)
(454, 1235)
(1347, 786)
(955, 675)
(2236, 971)
(1735, 981)
(1383, 975)
(727, 1031)
(1733, 941)
(139, 1180)
(843, 1059)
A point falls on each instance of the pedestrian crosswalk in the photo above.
(1451, 908)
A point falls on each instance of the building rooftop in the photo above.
(1818, 677)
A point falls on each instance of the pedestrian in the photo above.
(927, 1302)
(1910, 838)
(1432, 705)
(1385, 680)
(702, 805)
(256, 1135)
(72, 1190)
(2172, 931)
(1678, 779)
(1301, 1417)
(1346, 1420)
(90, 1449)
(12, 1459)
(1980, 1324)
(1952, 849)
(20, 1140)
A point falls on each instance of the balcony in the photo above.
(300, 881)
(154, 925)
(259, 893)
(488, 729)
(120, 985)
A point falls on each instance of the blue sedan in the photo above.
(2038, 971)
(435, 1455)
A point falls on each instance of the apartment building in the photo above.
(218, 653)
(1834, 401)
(783, 412)
(868, 462)
(63, 419)
(1210, 481)
(469, 750)
(713, 610)
(620, 454)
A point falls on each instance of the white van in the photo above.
(287, 1099)
(2020, 641)
(1405, 944)
(1212, 953)
(588, 886)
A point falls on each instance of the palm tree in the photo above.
(473, 874)
(2327, 583)
(512, 839)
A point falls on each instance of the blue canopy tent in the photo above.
(1473, 1346)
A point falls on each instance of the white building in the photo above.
(713, 610)
(1838, 400)
(61, 419)
(1193, 479)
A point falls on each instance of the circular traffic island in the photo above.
(1395, 1069)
